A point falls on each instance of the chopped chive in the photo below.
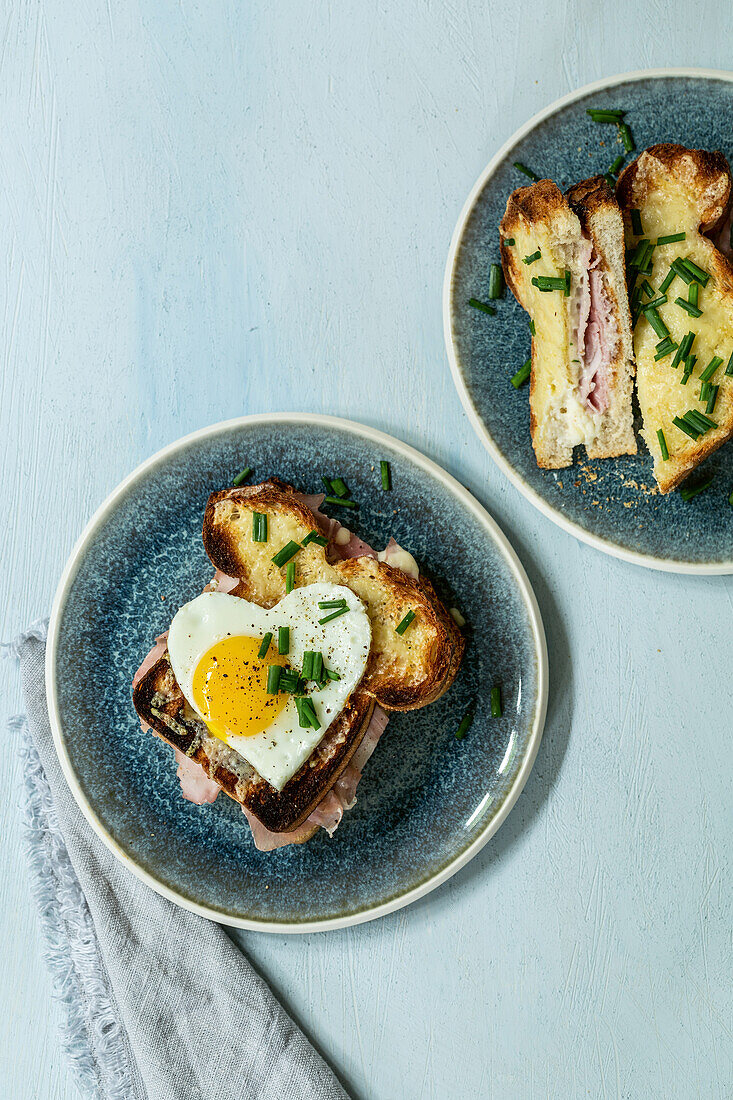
(689, 493)
(496, 701)
(684, 349)
(259, 527)
(386, 473)
(671, 238)
(265, 645)
(712, 398)
(340, 487)
(648, 289)
(333, 615)
(638, 256)
(636, 227)
(656, 321)
(465, 724)
(331, 674)
(532, 257)
(291, 682)
(509, 241)
(613, 170)
(496, 281)
(711, 368)
(310, 710)
(729, 368)
(274, 672)
(340, 500)
(307, 669)
(694, 423)
(655, 303)
(289, 550)
(324, 604)
(688, 307)
(522, 375)
(664, 348)
(692, 293)
(705, 423)
(283, 640)
(567, 283)
(683, 426)
(662, 444)
(705, 391)
(602, 115)
(327, 485)
(314, 536)
(317, 666)
(681, 270)
(242, 477)
(289, 577)
(730, 498)
(627, 138)
(687, 369)
(696, 272)
(667, 281)
(402, 626)
(525, 170)
(304, 720)
(549, 282)
(533, 332)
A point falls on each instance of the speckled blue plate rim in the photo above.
(670, 565)
(524, 589)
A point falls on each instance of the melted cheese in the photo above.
(556, 358)
(668, 210)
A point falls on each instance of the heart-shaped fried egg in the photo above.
(318, 649)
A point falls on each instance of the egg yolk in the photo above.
(230, 687)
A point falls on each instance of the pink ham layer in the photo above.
(594, 338)
(195, 783)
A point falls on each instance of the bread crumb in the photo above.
(457, 617)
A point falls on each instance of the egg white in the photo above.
(278, 751)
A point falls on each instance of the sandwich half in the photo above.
(291, 777)
(563, 257)
(681, 290)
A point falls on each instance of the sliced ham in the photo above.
(595, 333)
(195, 783)
(161, 644)
(394, 555)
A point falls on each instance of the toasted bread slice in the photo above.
(405, 671)
(582, 369)
(678, 190)
(159, 702)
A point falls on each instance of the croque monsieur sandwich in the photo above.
(275, 684)
(681, 287)
(563, 258)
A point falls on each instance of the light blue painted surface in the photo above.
(209, 210)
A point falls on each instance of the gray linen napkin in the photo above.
(158, 1003)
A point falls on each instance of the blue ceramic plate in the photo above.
(613, 504)
(426, 803)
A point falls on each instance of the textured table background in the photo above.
(209, 209)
